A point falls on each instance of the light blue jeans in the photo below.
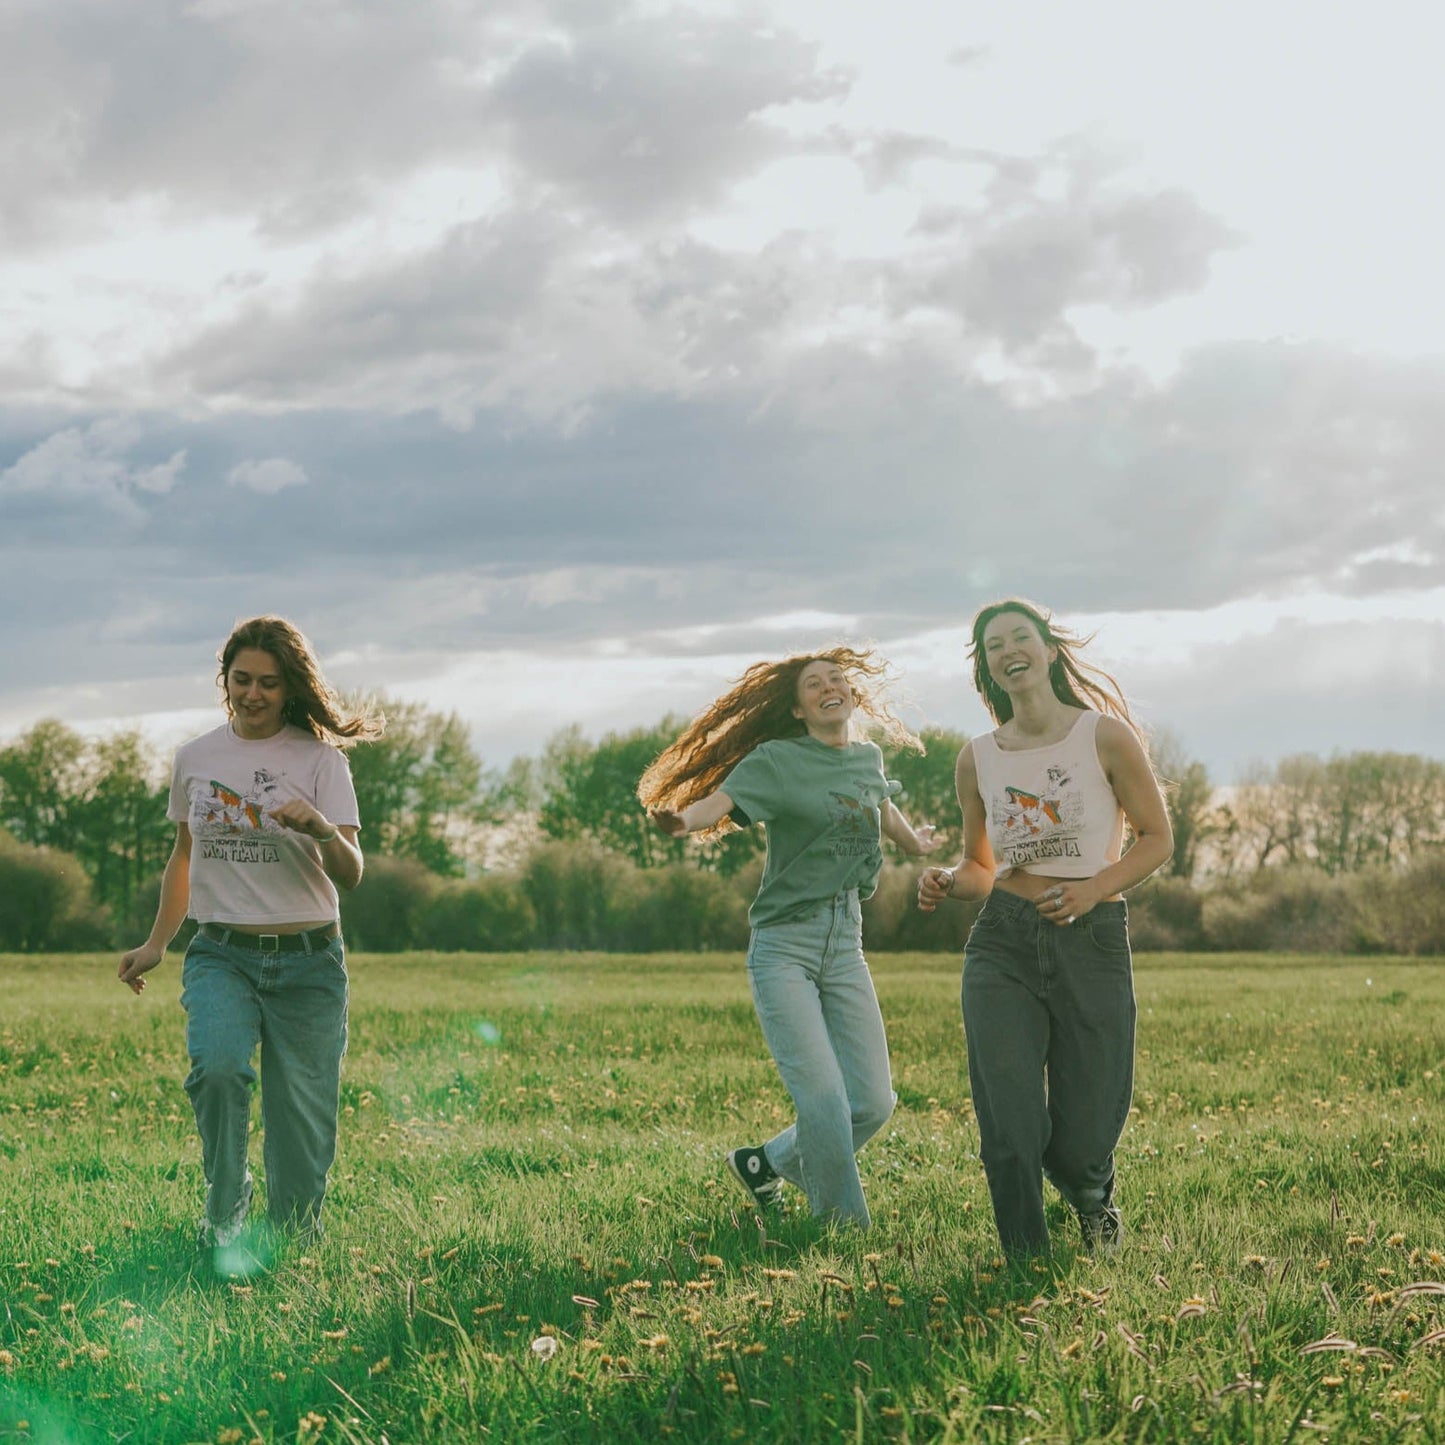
(294, 1006)
(815, 1000)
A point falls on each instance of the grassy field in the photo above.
(531, 1236)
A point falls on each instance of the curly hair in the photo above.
(310, 701)
(758, 708)
(1078, 683)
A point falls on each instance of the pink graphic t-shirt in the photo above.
(245, 866)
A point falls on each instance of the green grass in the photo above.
(531, 1149)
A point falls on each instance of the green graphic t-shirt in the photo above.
(821, 808)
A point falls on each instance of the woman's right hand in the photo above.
(934, 885)
(668, 820)
(137, 963)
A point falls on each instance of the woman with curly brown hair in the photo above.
(1048, 994)
(266, 833)
(778, 749)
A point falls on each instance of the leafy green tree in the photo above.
(417, 786)
(929, 795)
(590, 791)
(102, 801)
(121, 832)
(42, 778)
(1189, 796)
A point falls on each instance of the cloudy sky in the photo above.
(551, 361)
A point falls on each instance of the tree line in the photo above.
(1340, 854)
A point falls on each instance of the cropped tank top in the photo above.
(1051, 809)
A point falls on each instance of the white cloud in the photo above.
(274, 474)
(90, 465)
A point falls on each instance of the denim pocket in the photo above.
(1109, 935)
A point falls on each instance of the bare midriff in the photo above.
(1032, 886)
(257, 930)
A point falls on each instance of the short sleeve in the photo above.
(891, 786)
(335, 792)
(178, 808)
(754, 787)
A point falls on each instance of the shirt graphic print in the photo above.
(232, 824)
(1038, 826)
(854, 830)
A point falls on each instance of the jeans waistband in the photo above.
(312, 940)
(1020, 910)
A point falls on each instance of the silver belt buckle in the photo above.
(268, 942)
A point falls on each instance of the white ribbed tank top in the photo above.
(1051, 809)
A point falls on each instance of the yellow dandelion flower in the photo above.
(1332, 1382)
(711, 1261)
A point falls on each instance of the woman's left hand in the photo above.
(298, 815)
(1067, 902)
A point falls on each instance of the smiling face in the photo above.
(1016, 654)
(825, 697)
(256, 694)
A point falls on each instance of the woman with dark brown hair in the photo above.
(266, 833)
(778, 749)
(1048, 995)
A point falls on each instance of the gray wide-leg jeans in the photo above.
(815, 1001)
(294, 1005)
(1048, 1015)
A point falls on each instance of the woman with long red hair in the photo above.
(779, 748)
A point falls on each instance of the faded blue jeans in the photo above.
(815, 1001)
(294, 1006)
(1048, 1013)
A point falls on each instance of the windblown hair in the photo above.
(758, 708)
(310, 701)
(1075, 682)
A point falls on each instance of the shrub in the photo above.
(1404, 911)
(490, 915)
(45, 901)
(892, 921)
(684, 909)
(1286, 910)
(384, 911)
(577, 892)
(1166, 914)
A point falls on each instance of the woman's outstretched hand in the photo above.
(928, 840)
(667, 820)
